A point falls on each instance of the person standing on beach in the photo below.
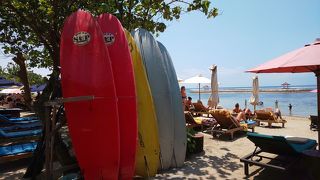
(290, 107)
(184, 96)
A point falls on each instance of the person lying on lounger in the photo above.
(237, 108)
(189, 105)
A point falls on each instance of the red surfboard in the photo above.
(123, 74)
(86, 70)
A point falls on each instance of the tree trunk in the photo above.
(23, 75)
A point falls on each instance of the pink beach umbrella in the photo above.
(314, 91)
(305, 59)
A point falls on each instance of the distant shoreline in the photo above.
(249, 91)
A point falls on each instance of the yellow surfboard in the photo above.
(148, 150)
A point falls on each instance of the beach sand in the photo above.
(221, 156)
(220, 159)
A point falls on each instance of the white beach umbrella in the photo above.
(198, 79)
(10, 91)
(214, 97)
(254, 99)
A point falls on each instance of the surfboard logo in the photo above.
(109, 38)
(81, 38)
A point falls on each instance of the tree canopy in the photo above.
(32, 27)
(11, 73)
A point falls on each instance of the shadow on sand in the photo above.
(194, 164)
(13, 170)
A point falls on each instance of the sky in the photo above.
(246, 34)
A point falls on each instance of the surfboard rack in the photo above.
(60, 101)
(52, 129)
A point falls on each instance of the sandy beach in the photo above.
(220, 159)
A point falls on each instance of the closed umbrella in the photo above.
(214, 97)
(305, 59)
(198, 79)
(254, 99)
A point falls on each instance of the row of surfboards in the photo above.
(135, 123)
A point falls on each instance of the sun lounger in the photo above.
(19, 127)
(268, 117)
(198, 122)
(5, 134)
(5, 121)
(314, 122)
(203, 123)
(19, 136)
(17, 118)
(227, 124)
(289, 149)
(17, 151)
(14, 112)
(199, 109)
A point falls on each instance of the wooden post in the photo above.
(199, 93)
(51, 129)
(47, 143)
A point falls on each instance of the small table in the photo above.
(311, 159)
(14, 112)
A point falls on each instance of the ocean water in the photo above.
(303, 104)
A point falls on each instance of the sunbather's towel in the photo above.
(205, 121)
(198, 120)
(297, 140)
(244, 126)
(250, 122)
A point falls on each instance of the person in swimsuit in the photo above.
(184, 96)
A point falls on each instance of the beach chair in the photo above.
(289, 150)
(19, 136)
(17, 151)
(314, 122)
(5, 121)
(200, 109)
(16, 119)
(198, 122)
(19, 127)
(268, 117)
(227, 124)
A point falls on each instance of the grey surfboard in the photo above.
(159, 85)
(180, 137)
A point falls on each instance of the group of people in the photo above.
(240, 114)
(246, 113)
(12, 100)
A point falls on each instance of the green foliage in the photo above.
(32, 27)
(191, 144)
(11, 73)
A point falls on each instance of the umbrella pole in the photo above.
(318, 104)
(199, 92)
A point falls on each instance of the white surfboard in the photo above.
(180, 137)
